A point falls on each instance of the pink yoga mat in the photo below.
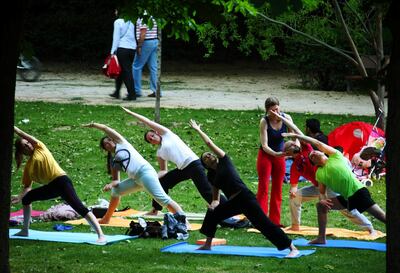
(35, 213)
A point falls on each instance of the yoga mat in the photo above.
(184, 247)
(68, 237)
(345, 244)
(121, 222)
(336, 232)
(194, 216)
(34, 213)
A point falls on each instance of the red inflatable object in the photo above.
(353, 136)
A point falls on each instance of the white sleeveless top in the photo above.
(130, 160)
(173, 149)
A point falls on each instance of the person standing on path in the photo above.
(146, 53)
(271, 160)
(124, 46)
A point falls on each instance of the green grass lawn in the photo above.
(78, 153)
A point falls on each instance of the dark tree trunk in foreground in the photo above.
(393, 146)
(10, 32)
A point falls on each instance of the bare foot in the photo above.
(294, 228)
(318, 241)
(204, 247)
(152, 212)
(293, 253)
(372, 232)
(22, 233)
(101, 240)
(104, 221)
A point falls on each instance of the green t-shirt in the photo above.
(337, 176)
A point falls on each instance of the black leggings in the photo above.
(245, 202)
(194, 171)
(61, 186)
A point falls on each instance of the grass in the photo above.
(77, 151)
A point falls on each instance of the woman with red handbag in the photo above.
(124, 46)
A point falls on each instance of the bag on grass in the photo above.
(144, 229)
(111, 67)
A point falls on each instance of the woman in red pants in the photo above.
(271, 160)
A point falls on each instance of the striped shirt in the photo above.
(150, 33)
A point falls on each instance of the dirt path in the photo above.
(232, 89)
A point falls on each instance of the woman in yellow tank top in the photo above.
(42, 168)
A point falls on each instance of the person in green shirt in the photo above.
(334, 173)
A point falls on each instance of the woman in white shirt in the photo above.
(142, 175)
(124, 46)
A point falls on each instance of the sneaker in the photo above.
(114, 95)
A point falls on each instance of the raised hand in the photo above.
(194, 125)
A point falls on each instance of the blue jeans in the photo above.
(148, 56)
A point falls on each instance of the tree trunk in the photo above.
(393, 146)
(380, 91)
(157, 114)
(9, 50)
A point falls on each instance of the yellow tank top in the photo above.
(41, 167)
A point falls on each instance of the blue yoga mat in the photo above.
(68, 237)
(345, 244)
(184, 247)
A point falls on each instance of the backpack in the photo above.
(144, 229)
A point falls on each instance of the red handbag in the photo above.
(111, 67)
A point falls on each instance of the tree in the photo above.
(361, 30)
(10, 28)
(393, 146)
(178, 18)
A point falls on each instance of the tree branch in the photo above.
(335, 49)
(360, 65)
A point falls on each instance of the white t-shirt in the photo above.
(129, 159)
(173, 149)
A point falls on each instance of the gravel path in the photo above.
(198, 89)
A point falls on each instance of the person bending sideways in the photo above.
(42, 168)
(172, 148)
(334, 173)
(302, 166)
(240, 199)
(142, 175)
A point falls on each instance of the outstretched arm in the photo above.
(149, 123)
(26, 136)
(320, 146)
(289, 123)
(214, 148)
(111, 133)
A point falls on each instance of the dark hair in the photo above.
(109, 156)
(145, 135)
(314, 125)
(339, 148)
(271, 101)
(309, 159)
(202, 162)
(19, 152)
